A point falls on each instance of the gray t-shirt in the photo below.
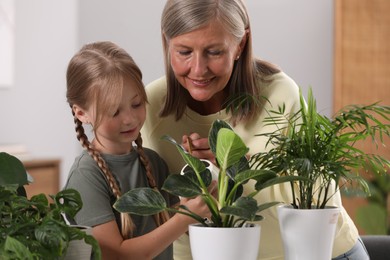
(86, 177)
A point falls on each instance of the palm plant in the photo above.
(322, 150)
(229, 208)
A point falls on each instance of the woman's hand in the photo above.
(198, 147)
(213, 189)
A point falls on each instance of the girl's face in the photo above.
(120, 128)
(202, 61)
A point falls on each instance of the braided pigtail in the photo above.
(127, 225)
(161, 217)
(95, 80)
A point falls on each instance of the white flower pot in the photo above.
(78, 249)
(212, 243)
(307, 234)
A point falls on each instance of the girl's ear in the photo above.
(81, 114)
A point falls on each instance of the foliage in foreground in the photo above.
(230, 208)
(35, 228)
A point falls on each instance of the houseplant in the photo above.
(34, 228)
(230, 208)
(322, 151)
(374, 217)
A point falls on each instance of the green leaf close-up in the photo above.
(141, 201)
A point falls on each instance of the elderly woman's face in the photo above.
(203, 60)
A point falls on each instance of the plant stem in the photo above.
(293, 195)
(189, 214)
(223, 189)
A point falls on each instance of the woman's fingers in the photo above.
(198, 147)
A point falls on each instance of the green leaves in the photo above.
(141, 201)
(12, 171)
(14, 249)
(230, 148)
(245, 208)
(68, 201)
(52, 235)
(192, 161)
(183, 185)
(229, 208)
(34, 228)
(217, 125)
(314, 147)
(373, 219)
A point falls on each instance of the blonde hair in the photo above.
(184, 16)
(95, 77)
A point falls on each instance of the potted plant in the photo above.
(231, 210)
(34, 228)
(322, 151)
(374, 217)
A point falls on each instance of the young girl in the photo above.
(105, 90)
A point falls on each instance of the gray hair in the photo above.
(181, 17)
(184, 16)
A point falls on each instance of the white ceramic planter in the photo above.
(212, 243)
(78, 249)
(307, 234)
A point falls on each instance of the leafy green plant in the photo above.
(374, 217)
(230, 208)
(322, 150)
(34, 228)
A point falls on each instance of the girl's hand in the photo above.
(198, 147)
(197, 206)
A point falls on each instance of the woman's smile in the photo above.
(201, 83)
(203, 61)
